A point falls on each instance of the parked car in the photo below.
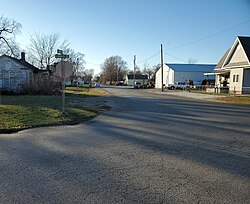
(119, 83)
(151, 85)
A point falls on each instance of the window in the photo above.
(234, 78)
(237, 78)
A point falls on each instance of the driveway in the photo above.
(148, 148)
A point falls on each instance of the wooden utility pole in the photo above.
(162, 88)
(134, 70)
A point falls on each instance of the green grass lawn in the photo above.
(25, 111)
(235, 99)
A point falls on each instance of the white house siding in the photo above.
(236, 81)
(12, 75)
(246, 81)
(238, 55)
(234, 67)
(168, 76)
(171, 76)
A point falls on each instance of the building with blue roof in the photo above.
(176, 73)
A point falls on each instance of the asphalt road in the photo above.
(148, 148)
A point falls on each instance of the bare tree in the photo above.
(150, 71)
(113, 69)
(8, 31)
(77, 59)
(43, 48)
(89, 74)
(155, 68)
(192, 60)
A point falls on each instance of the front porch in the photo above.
(222, 82)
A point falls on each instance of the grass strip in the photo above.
(25, 111)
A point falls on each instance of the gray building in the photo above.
(130, 78)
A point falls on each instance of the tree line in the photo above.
(42, 48)
(114, 69)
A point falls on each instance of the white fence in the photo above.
(220, 90)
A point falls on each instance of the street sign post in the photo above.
(62, 56)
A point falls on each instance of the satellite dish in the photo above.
(68, 69)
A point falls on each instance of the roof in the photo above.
(23, 62)
(245, 42)
(192, 67)
(131, 76)
(220, 63)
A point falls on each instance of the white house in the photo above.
(233, 69)
(174, 73)
(130, 78)
(15, 73)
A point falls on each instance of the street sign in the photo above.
(68, 69)
(61, 56)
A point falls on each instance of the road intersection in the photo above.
(148, 148)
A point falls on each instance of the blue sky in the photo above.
(199, 29)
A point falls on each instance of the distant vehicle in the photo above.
(119, 83)
(77, 82)
(137, 85)
(151, 85)
(180, 85)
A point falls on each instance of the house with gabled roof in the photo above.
(16, 73)
(233, 69)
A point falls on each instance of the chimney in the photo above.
(23, 56)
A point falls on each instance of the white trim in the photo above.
(244, 51)
(209, 74)
(229, 53)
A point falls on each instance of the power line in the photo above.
(175, 57)
(204, 65)
(149, 58)
(210, 36)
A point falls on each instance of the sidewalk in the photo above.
(184, 94)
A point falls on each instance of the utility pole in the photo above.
(162, 88)
(134, 69)
(117, 74)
